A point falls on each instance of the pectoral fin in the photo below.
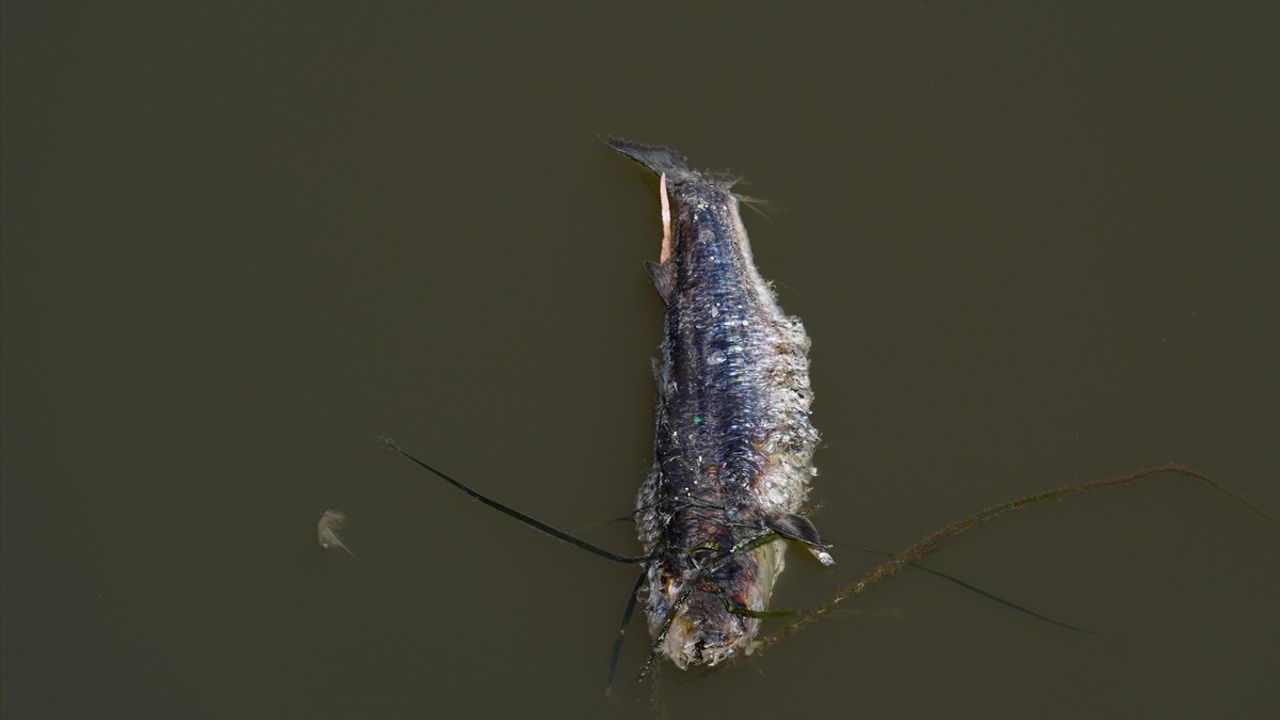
(801, 529)
(663, 277)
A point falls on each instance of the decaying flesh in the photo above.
(733, 446)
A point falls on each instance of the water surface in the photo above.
(1031, 246)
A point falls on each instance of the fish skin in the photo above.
(733, 445)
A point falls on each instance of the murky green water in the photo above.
(1031, 246)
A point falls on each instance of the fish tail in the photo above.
(658, 159)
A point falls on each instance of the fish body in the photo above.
(733, 444)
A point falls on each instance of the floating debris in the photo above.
(327, 531)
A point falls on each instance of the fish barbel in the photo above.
(733, 445)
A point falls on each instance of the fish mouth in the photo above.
(709, 627)
(705, 633)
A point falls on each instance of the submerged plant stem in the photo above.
(931, 542)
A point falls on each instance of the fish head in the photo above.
(708, 626)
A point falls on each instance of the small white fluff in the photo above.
(327, 531)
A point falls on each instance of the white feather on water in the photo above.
(327, 531)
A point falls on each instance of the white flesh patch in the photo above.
(665, 253)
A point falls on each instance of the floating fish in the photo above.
(733, 446)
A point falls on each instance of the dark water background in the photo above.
(1031, 245)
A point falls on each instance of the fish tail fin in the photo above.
(658, 159)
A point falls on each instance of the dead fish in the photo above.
(733, 444)
(327, 531)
